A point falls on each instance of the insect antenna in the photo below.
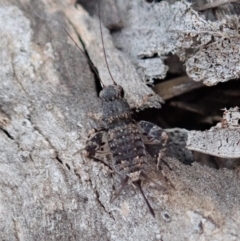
(104, 51)
(86, 56)
(138, 184)
(124, 182)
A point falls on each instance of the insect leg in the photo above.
(138, 185)
(97, 148)
(154, 138)
(123, 184)
(152, 134)
(146, 177)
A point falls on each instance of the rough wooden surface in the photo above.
(175, 87)
(222, 140)
(209, 49)
(139, 96)
(48, 191)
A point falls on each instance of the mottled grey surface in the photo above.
(222, 140)
(137, 93)
(48, 191)
(209, 50)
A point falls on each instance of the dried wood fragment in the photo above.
(223, 140)
(210, 50)
(214, 4)
(175, 87)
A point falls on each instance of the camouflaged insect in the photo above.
(123, 143)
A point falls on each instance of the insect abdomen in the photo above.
(127, 148)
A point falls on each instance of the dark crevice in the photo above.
(31, 157)
(7, 134)
(193, 110)
(77, 174)
(91, 65)
(98, 200)
(92, 68)
(151, 1)
(97, 195)
(154, 55)
(68, 167)
(100, 203)
(59, 160)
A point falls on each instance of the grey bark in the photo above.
(209, 49)
(221, 140)
(48, 190)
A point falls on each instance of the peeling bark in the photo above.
(221, 140)
(48, 191)
(209, 49)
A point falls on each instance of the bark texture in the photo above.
(221, 140)
(209, 49)
(48, 190)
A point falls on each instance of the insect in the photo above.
(124, 140)
(121, 141)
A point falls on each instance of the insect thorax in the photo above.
(116, 110)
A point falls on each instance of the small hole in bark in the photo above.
(166, 217)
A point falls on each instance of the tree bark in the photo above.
(48, 190)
